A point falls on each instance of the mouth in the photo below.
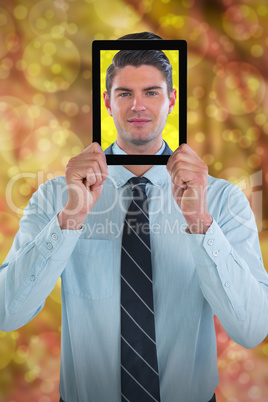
(139, 122)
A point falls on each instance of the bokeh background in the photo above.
(45, 118)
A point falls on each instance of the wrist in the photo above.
(199, 224)
(69, 221)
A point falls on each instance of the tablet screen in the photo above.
(104, 125)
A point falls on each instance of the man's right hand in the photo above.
(85, 175)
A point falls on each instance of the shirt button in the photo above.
(215, 253)
(54, 236)
(210, 242)
(49, 246)
(32, 278)
(227, 284)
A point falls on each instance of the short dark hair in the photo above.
(136, 58)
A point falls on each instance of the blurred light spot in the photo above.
(199, 137)
(192, 117)
(265, 349)
(262, 10)
(72, 29)
(39, 99)
(30, 376)
(212, 95)
(7, 29)
(7, 348)
(249, 365)
(240, 93)
(22, 351)
(245, 142)
(33, 112)
(265, 128)
(20, 12)
(45, 15)
(244, 378)
(44, 144)
(49, 49)
(218, 165)
(254, 392)
(69, 108)
(40, 24)
(56, 69)
(254, 161)
(192, 102)
(55, 78)
(199, 92)
(47, 386)
(21, 65)
(211, 110)
(257, 50)
(76, 150)
(34, 69)
(115, 14)
(260, 119)
(57, 32)
(85, 109)
(240, 22)
(44, 398)
(66, 124)
(25, 189)
(208, 159)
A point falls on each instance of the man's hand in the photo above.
(189, 176)
(85, 175)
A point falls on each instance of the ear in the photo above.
(172, 100)
(107, 102)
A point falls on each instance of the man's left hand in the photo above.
(189, 176)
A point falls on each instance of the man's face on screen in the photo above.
(139, 104)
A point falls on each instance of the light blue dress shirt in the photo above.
(194, 277)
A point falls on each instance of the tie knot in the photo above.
(138, 184)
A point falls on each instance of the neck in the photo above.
(138, 170)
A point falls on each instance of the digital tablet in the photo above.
(104, 129)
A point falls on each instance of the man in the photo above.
(204, 249)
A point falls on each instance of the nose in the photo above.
(138, 104)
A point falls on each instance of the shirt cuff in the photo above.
(57, 244)
(211, 246)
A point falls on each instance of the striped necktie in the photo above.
(139, 368)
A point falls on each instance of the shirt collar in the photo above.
(157, 175)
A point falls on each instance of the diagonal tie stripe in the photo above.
(139, 367)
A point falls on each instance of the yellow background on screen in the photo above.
(108, 130)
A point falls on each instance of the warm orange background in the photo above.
(45, 118)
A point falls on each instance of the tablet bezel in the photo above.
(138, 44)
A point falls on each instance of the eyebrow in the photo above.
(144, 89)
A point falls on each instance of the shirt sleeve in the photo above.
(36, 260)
(232, 276)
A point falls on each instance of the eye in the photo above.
(124, 94)
(151, 93)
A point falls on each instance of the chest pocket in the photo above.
(89, 272)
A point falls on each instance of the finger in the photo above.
(186, 177)
(187, 162)
(93, 148)
(182, 153)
